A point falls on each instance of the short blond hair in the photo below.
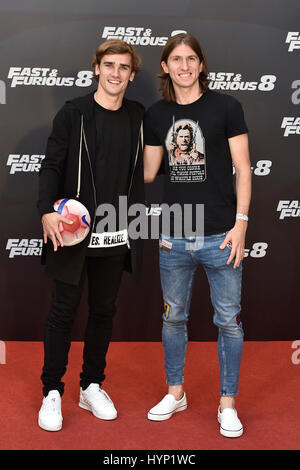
(116, 46)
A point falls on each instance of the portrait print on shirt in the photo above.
(185, 145)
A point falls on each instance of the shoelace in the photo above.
(50, 405)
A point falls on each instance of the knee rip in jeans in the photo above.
(166, 309)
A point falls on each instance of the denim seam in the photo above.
(224, 361)
(193, 258)
(188, 299)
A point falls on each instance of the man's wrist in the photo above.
(240, 216)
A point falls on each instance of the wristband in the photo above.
(241, 217)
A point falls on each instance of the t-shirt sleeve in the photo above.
(236, 124)
(151, 134)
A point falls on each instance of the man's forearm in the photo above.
(243, 190)
(48, 188)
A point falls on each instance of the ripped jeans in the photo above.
(178, 263)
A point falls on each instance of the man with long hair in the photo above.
(105, 129)
(220, 135)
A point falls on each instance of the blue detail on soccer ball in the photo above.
(85, 221)
(61, 205)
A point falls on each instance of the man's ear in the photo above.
(132, 75)
(97, 69)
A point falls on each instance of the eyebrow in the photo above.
(179, 56)
(107, 62)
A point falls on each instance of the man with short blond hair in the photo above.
(104, 129)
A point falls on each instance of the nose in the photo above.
(116, 72)
(184, 64)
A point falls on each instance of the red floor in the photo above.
(268, 403)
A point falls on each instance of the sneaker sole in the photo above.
(84, 406)
(228, 433)
(154, 417)
(57, 428)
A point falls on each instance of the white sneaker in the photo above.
(97, 401)
(50, 417)
(167, 407)
(230, 423)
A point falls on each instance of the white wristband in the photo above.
(241, 217)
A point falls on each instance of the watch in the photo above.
(241, 217)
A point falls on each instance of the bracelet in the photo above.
(241, 217)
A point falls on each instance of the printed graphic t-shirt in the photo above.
(197, 160)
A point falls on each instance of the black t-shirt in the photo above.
(112, 169)
(197, 160)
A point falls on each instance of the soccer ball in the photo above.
(77, 231)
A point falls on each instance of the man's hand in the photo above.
(51, 224)
(236, 238)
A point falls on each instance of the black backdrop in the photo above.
(253, 52)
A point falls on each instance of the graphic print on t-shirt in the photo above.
(186, 152)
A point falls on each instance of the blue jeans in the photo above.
(178, 263)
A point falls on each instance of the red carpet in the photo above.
(268, 403)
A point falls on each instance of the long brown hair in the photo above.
(116, 46)
(166, 85)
